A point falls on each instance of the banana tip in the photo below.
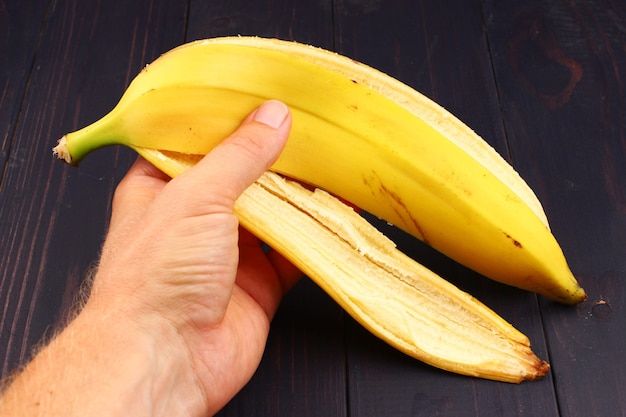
(61, 151)
(542, 369)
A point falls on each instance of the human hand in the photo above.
(176, 262)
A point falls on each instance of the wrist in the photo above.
(107, 363)
(149, 363)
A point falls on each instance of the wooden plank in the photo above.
(308, 22)
(20, 29)
(440, 49)
(560, 69)
(303, 369)
(53, 216)
(558, 83)
(302, 372)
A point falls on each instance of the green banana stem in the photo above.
(73, 147)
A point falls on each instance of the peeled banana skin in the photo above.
(358, 134)
(373, 141)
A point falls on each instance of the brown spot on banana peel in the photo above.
(542, 368)
(516, 243)
(404, 212)
(399, 208)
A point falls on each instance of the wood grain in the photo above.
(542, 81)
(560, 67)
(20, 30)
(450, 63)
(53, 217)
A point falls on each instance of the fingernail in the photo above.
(272, 113)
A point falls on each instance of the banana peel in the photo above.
(373, 141)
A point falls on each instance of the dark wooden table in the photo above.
(544, 81)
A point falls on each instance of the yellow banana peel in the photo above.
(375, 142)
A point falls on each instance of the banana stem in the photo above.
(61, 151)
(73, 147)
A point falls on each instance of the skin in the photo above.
(181, 303)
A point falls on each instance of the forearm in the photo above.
(105, 365)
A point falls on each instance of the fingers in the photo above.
(255, 146)
(264, 275)
(142, 175)
(221, 176)
(137, 189)
(288, 273)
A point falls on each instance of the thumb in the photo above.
(241, 158)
